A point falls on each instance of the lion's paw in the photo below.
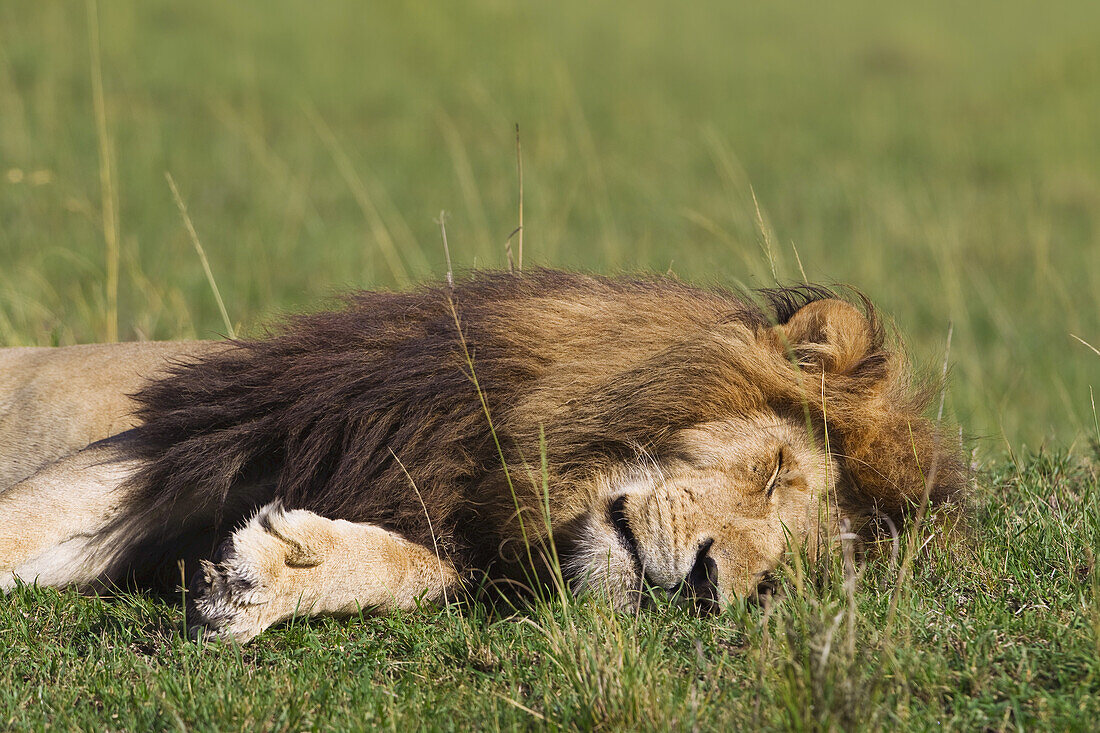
(234, 595)
(225, 595)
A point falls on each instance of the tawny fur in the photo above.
(55, 401)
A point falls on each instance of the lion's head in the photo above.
(752, 440)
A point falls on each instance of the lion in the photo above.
(647, 435)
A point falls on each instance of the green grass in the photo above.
(1001, 631)
(942, 157)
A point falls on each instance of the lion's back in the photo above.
(54, 401)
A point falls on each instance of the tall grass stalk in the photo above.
(229, 330)
(519, 226)
(108, 194)
(472, 375)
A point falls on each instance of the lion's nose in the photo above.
(766, 587)
(701, 582)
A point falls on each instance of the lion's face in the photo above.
(710, 519)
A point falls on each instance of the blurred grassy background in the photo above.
(942, 157)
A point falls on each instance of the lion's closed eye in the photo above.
(773, 480)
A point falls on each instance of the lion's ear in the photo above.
(831, 332)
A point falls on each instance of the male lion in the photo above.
(662, 436)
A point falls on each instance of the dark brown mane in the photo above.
(782, 303)
(369, 413)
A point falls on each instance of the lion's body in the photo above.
(675, 439)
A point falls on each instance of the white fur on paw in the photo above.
(232, 593)
(225, 601)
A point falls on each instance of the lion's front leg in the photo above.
(52, 524)
(284, 563)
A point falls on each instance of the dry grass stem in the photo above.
(519, 226)
(943, 372)
(229, 330)
(1086, 343)
(108, 194)
(431, 529)
(798, 259)
(442, 221)
(765, 232)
